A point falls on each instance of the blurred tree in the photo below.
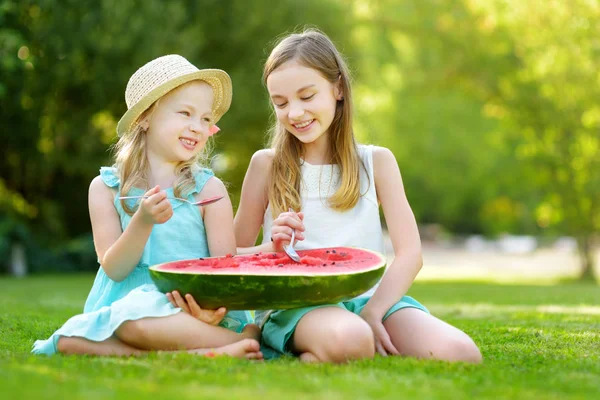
(411, 100)
(491, 107)
(550, 103)
(64, 66)
(532, 67)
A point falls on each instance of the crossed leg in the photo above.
(179, 332)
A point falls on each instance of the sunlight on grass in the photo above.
(483, 309)
(538, 342)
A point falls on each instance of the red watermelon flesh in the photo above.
(273, 280)
(320, 261)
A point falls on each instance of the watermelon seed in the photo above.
(333, 263)
(333, 251)
(327, 252)
(201, 258)
(280, 266)
(324, 265)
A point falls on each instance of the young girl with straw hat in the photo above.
(172, 110)
(314, 166)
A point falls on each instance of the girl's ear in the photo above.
(337, 89)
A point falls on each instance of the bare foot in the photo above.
(251, 331)
(245, 348)
(308, 358)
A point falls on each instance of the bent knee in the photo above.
(470, 351)
(463, 348)
(70, 345)
(65, 345)
(351, 341)
(132, 331)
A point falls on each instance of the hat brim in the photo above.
(218, 79)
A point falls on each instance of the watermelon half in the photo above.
(272, 280)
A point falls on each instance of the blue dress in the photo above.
(111, 303)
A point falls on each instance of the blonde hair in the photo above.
(132, 164)
(313, 49)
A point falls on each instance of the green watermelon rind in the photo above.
(256, 291)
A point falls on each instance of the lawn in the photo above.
(539, 342)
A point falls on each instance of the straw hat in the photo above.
(160, 76)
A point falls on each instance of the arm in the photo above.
(119, 252)
(253, 204)
(218, 219)
(403, 232)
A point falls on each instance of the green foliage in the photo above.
(537, 342)
(64, 66)
(411, 100)
(491, 107)
(73, 255)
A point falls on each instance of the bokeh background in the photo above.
(492, 108)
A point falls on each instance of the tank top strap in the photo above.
(367, 183)
(365, 153)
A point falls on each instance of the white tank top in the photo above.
(325, 227)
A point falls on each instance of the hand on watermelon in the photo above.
(281, 230)
(189, 305)
(156, 209)
(383, 342)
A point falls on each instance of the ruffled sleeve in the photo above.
(202, 176)
(110, 176)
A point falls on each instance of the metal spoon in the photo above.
(204, 202)
(289, 249)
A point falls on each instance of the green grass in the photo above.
(539, 342)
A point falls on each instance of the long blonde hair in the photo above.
(313, 49)
(132, 164)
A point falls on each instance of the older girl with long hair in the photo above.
(335, 188)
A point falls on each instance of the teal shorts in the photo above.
(237, 320)
(281, 324)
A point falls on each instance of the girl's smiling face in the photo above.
(179, 126)
(304, 101)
